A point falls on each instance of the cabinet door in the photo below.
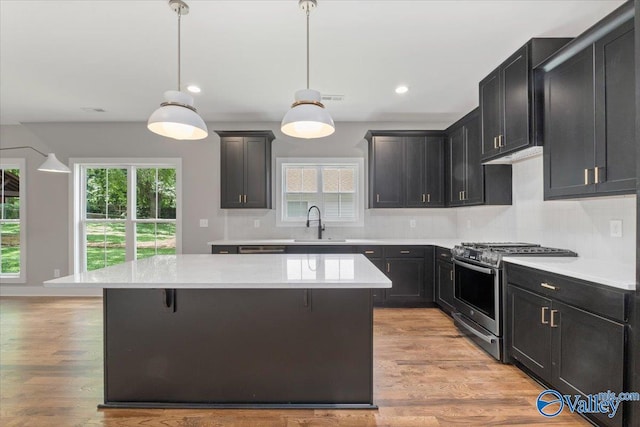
(407, 277)
(231, 172)
(378, 293)
(490, 114)
(474, 186)
(387, 175)
(415, 150)
(257, 166)
(444, 285)
(588, 355)
(434, 172)
(569, 127)
(456, 166)
(530, 334)
(615, 112)
(514, 77)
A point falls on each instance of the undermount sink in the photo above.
(319, 240)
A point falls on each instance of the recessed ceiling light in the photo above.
(193, 89)
(402, 89)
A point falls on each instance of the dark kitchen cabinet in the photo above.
(469, 182)
(444, 279)
(410, 269)
(570, 334)
(507, 110)
(589, 113)
(406, 169)
(245, 169)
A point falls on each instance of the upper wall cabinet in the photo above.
(245, 169)
(507, 113)
(589, 112)
(406, 169)
(468, 181)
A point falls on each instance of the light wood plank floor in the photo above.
(425, 374)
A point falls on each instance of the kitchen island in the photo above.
(268, 330)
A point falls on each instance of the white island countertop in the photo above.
(444, 243)
(259, 271)
(609, 273)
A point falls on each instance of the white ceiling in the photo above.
(58, 57)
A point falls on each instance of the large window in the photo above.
(125, 212)
(334, 185)
(12, 221)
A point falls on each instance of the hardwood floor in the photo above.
(425, 373)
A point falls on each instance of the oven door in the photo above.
(477, 294)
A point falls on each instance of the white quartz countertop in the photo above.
(259, 271)
(614, 274)
(445, 243)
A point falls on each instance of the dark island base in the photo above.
(235, 348)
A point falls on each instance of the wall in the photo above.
(579, 225)
(48, 195)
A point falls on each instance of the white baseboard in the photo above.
(41, 291)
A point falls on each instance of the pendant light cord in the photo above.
(179, 16)
(308, 46)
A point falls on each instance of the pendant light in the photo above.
(177, 118)
(51, 163)
(307, 117)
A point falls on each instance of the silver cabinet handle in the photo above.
(553, 318)
(586, 177)
(368, 252)
(223, 252)
(495, 142)
(428, 197)
(405, 252)
(500, 141)
(239, 198)
(388, 268)
(245, 198)
(423, 198)
(377, 198)
(595, 178)
(543, 315)
(548, 286)
(451, 275)
(460, 195)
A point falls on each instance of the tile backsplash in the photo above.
(580, 225)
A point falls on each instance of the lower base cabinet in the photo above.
(444, 279)
(572, 350)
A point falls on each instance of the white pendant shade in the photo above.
(177, 118)
(307, 118)
(52, 164)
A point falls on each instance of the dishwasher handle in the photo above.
(261, 249)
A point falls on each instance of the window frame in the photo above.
(358, 162)
(20, 164)
(77, 258)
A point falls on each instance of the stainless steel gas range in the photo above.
(479, 294)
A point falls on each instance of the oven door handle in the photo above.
(474, 267)
(457, 317)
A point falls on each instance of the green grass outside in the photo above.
(10, 236)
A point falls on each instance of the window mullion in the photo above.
(130, 225)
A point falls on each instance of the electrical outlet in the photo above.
(412, 223)
(615, 227)
(204, 223)
(256, 223)
(56, 272)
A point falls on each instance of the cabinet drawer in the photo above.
(404, 251)
(593, 297)
(443, 254)
(370, 251)
(224, 249)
